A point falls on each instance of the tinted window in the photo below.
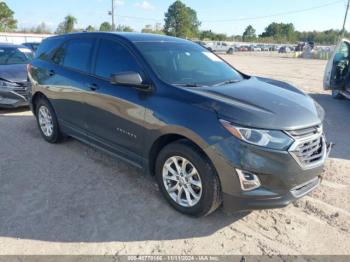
(113, 58)
(15, 55)
(47, 48)
(186, 63)
(77, 54)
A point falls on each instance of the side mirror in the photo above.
(129, 78)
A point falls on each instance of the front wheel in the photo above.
(47, 121)
(337, 95)
(230, 51)
(187, 180)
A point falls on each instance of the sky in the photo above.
(222, 16)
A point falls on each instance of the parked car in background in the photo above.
(32, 46)
(284, 50)
(13, 75)
(244, 48)
(265, 48)
(255, 48)
(337, 74)
(218, 47)
(144, 97)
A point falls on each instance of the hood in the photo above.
(263, 103)
(14, 73)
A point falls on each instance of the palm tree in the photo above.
(69, 22)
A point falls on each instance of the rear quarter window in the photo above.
(47, 48)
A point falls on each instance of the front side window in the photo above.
(15, 55)
(113, 58)
(186, 64)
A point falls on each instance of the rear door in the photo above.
(67, 83)
(337, 74)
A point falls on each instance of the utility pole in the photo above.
(113, 10)
(345, 18)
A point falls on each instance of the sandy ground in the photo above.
(72, 199)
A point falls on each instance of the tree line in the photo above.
(182, 21)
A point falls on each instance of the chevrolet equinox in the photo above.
(209, 133)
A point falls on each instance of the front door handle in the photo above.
(93, 87)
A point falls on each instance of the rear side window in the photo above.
(76, 54)
(114, 58)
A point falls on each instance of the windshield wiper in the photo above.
(189, 85)
(227, 82)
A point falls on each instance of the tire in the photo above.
(210, 191)
(230, 51)
(53, 134)
(337, 95)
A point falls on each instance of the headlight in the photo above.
(266, 138)
(5, 84)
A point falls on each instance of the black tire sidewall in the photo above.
(336, 94)
(56, 133)
(207, 174)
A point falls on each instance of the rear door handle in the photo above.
(93, 87)
(52, 72)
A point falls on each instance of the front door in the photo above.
(115, 115)
(337, 74)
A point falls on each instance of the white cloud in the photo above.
(145, 5)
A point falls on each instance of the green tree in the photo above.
(280, 32)
(67, 26)
(90, 28)
(249, 34)
(105, 27)
(7, 21)
(124, 28)
(181, 21)
(42, 29)
(210, 35)
(150, 29)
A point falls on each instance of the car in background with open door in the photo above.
(337, 74)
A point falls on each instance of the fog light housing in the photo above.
(248, 180)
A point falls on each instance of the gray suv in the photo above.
(210, 134)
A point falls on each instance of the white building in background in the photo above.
(19, 38)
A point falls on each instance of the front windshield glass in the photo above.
(14, 55)
(187, 64)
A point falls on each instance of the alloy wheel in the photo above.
(182, 181)
(45, 121)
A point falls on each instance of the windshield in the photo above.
(187, 64)
(15, 55)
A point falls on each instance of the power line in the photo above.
(274, 15)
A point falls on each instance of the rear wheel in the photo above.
(187, 179)
(337, 95)
(230, 51)
(47, 121)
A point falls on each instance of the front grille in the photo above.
(305, 132)
(309, 148)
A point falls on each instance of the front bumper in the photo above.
(13, 98)
(282, 179)
(254, 201)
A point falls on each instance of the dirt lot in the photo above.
(72, 199)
